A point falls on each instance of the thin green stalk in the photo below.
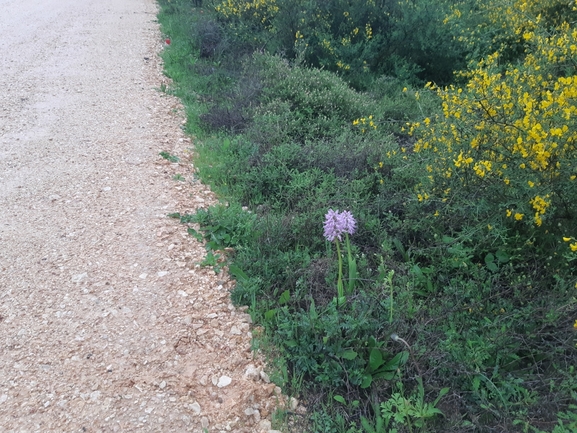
(340, 292)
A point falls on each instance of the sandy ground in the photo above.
(107, 323)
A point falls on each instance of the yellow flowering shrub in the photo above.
(510, 133)
(257, 12)
(354, 39)
(502, 25)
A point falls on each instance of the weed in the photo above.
(169, 157)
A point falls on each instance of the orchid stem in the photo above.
(340, 292)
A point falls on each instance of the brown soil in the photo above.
(107, 322)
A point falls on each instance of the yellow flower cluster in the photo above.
(364, 123)
(504, 21)
(259, 11)
(573, 244)
(514, 126)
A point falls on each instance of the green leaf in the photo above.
(375, 359)
(339, 398)
(417, 272)
(348, 354)
(387, 375)
(270, 314)
(367, 380)
(284, 297)
(371, 342)
(443, 392)
(313, 311)
(291, 343)
(196, 235)
(398, 360)
(502, 256)
(237, 273)
(353, 275)
(489, 258)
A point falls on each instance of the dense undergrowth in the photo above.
(458, 302)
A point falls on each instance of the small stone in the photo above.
(235, 331)
(143, 276)
(245, 318)
(249, 411)
(264, 377)
(204, 422)
(264, 425)
(293, 403)
(162, 384)
(195, 407)
(252, 372)
(224, 381)
(54, 197)
(106, 188)
(79, 277)
(3, 398)
(162, 273)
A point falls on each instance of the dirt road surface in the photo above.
(107, 323)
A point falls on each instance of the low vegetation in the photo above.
(405, 236)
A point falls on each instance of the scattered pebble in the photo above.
(224, 381)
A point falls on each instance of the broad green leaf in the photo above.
(375, 359)
(371, 342)
(367, 380)
(284, 297)
(237, 273)
(340, 399)
(348, 354)
(398, 360)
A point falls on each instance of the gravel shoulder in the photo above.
(107, 323)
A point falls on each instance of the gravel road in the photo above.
(107, 323)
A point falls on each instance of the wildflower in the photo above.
(337, 223)
(575, 324)
(519, 216)
(167, 41)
